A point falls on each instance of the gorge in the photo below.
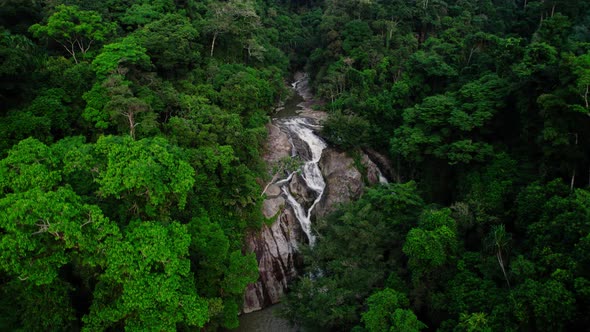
(326, 178)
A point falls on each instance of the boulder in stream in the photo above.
(301, 192)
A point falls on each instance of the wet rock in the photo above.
(272, 191)
(275, 247)
(371, 169)
(301, 192)
(302, 148)
(383, 163)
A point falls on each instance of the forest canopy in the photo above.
(131, 137)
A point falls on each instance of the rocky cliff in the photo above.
(345, 178)
(276, 244)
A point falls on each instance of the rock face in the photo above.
(382, 163)
(371, 169)
(343, 181)
(276, 245)
(277, 145)
(276, 251)
(301, 192)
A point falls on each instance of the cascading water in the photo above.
(301, 129)
(305, 144)
(293, 132)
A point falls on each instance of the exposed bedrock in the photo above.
(345, 179)
(327, 178)
(275, 247)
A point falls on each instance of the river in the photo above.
(265, 321)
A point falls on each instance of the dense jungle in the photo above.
(131, 141)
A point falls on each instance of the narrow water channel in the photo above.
(301, 128)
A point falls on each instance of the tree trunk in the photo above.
(501, 262)
(71, 50)
(213, 43)
(131, 119)
(586, 97)
(471, 54)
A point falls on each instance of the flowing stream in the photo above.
(302, 130)
(307, 146)
(302, 189)
(300, 123)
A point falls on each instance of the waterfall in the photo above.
(302, 130)
(304, 191)
(382, 179)
(301, 123)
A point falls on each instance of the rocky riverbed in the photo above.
(293, 200)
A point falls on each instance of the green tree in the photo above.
(351, 257)
(149, 175)
(447, 126)
(544, 306)
(171, 43)
(19, 57)
(41, 229)
(30, 164)
(50, 304)
(112, 98)
(385, 313)
(475, 322)
(74, 29)
(581, 68)
(124, 107)
(236, 17)
(115, 57)
(147, 283)
(432, 244)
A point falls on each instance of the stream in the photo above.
(265, 320)
(302, 129)
(300, 123)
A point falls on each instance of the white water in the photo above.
(382, 179)
(301, 129)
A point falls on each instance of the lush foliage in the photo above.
(129, 157)
(484, 104)
(130, 141)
